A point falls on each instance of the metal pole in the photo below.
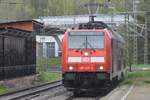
(3, 47)
(135, 39)
(146, 42)
(129, 49)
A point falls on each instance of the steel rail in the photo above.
(14, 95)
(97, 96)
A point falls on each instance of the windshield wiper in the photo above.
(80, 47)
(91, 46)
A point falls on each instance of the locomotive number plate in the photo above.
(84, 68)
(85, 59)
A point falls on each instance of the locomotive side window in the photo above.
(79, 40)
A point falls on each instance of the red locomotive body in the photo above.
(91, 58)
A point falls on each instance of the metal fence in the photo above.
(17, 53)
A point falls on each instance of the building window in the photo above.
(50, 49)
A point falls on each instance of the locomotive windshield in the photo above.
(81, 40)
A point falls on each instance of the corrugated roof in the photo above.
(18, 21)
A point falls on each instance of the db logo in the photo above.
(85, 59)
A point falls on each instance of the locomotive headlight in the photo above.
(71, 67)
(86, 53)
(100, 67)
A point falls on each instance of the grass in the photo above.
(48, 61)
(49, 76)
(147, 81)
(140, 65)
(138, 77)
(3, 89)
(45, 63)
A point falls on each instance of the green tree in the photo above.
(29, 9)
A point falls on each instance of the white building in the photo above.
(47, 46)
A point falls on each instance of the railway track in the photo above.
(90, 96)
(84, 98)
(31, 91)
(72, 97)
(51, 91)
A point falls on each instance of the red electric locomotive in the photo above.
(92, 57)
